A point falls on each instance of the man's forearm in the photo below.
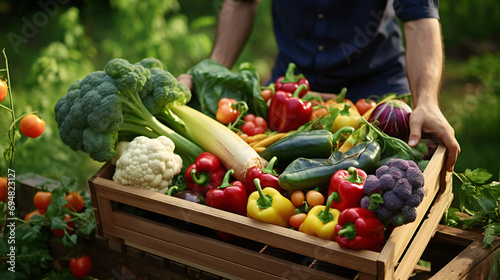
(235, 24)
(424, 57)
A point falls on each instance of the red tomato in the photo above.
(80, 267)
(363, 105)
(32, 213)
(3, 189)
(32, 126)
(3, 89)
(75, 202)
(42, 200)
(70, 227)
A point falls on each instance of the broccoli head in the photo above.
(106, 104)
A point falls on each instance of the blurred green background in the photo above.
(51, 43)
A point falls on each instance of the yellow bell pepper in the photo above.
(349, 116)
(321, 220)
(269, 206)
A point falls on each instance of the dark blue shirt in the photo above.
(355, 44)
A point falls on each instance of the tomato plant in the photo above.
(3, 189)
(3, 90)
(80, 267)
(75, 202)
(32, 126)
(42, 200)
(70, 227)
(363, 105)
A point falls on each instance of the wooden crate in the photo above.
(265, 251)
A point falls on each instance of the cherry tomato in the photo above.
(249, 118)
(226, 114)
(363, 105)
(80, 267)
(226, 101)
(297, 220)
(75, 202)
(33, 213)
(3, 189)
(318, 113)
(260, 122)
(254, 125)
(70, 227)
(314, 198)
(266, 94)
(42, 200)
(298, 198)
(3, 90)
(32, 126)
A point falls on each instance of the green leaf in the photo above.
(4, 249)
(478, 175)
(57, 223)
(490, 232)
(69, 240)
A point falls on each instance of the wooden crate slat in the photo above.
(209, 245)
(426, 231)
(402, 235)
(195, 258)
(371, 265)
(276, 236)
(467, 260)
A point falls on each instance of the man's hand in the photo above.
(429, 119)
(424, 57)
(187, 80)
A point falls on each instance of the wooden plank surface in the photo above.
(276, 236)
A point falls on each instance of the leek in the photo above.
(214, 137)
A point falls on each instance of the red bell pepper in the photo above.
(231, 197)
(267, 176)
(347, 188)
(359, 228)
(290, 82)
(288, 112)
(205, 173)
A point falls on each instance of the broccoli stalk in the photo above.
(106, 106)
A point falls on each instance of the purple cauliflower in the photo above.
(395, 192)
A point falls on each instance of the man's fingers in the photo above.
(415, 132)
(187, 80)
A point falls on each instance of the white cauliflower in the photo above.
(147, 163)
